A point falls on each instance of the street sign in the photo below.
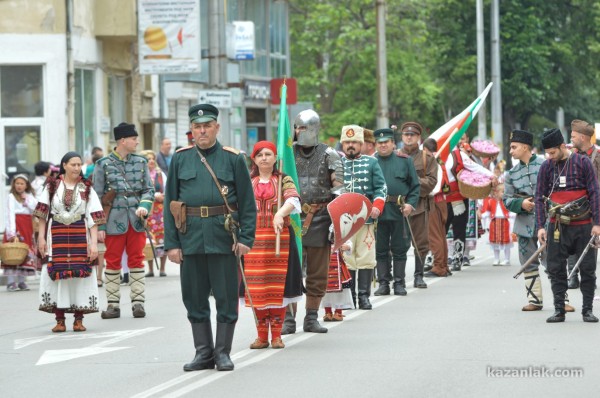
(218, 98)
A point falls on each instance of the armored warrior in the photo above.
(319, 172)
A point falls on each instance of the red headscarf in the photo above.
(260, 145)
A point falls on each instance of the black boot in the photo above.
(588, 316)
(574, 282)
(311, 323)
(353, 286)
(289, 323)
(558, 316)
(365, 276)
(419, 282)
(399, 274)
(203, 341)
(223, 346)
(383, 269)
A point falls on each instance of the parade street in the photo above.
(464, 335)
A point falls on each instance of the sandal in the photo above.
(163, 274)
(100, 283)
(150, 275)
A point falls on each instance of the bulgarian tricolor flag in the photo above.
(449, 134)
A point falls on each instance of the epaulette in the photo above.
(232, 150)
(401, 154)
(184, 148)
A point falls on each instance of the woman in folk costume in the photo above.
(69, 212)
(339, 282)
(273, 281)
(156, 224)
(19, 224)
(498, 216)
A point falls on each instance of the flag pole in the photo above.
(279, 184)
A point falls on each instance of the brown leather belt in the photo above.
(310, 210)
(208, 211)
(394, 199)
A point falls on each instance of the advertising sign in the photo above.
(240, 40)
(169, 36)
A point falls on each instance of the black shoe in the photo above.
(382, 290)
(466, 262)
(574, 282)
(558, 316)
(399, 290)
(427, 268)
(456, 267)
(588, 316)
(364, 303)
(433, 275)
(419, 283)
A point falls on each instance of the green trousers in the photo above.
(201, 273)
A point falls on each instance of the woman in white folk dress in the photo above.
(70, 212)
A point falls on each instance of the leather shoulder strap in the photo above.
(214, 177)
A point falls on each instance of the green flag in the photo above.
(285, 154)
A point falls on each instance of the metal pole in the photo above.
(481, 118)
(382, 94)
(497, 128)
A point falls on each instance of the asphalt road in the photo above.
(465, 336)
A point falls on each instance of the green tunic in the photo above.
(189, 181)
(401, 179)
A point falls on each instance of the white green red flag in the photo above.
(285, 158)
(449, 134)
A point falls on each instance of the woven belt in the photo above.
(208, 211)
(310, 210)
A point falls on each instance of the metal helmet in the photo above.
(311, 123)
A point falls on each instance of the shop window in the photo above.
(21, 91)
(22, 149)
(84, 110)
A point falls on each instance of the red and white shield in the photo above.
(348, 212)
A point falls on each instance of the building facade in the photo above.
(69, 74)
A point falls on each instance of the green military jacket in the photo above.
(190, 182)
(401, 179)
(130, 178)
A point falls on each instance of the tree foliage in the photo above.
(549, 59)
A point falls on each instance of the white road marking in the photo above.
(55, 356)
(290, 340)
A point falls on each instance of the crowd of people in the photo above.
(230, 228)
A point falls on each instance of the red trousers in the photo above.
(132, 242)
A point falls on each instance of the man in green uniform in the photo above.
(196, 217)
(392, 229)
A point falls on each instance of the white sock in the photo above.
(507, 252)
(496, 254)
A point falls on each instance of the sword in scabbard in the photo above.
(407, 221)
(149, 236)
(530, 260)
(591, 243)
